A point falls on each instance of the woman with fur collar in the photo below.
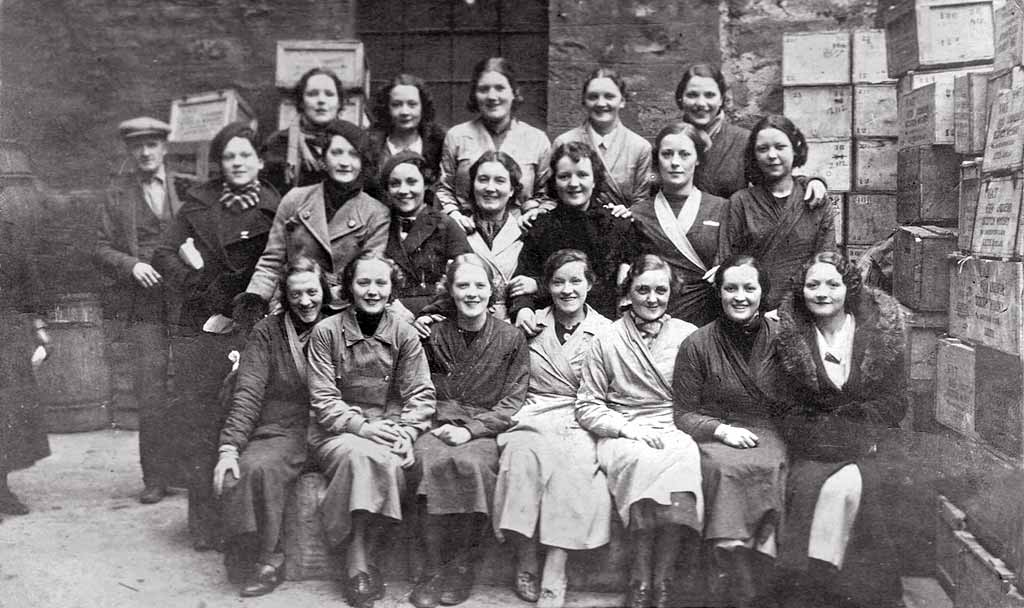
(840, 350)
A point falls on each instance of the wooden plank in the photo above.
(937, 33)
(868, 52)
(875, 111)
(985, 303)
(875, 165)
(830, 160)
(928, 185)
(997, 220)
(1008, 22)
(950, 519)
(1004, 149)
(970, 189)
(954, 389)
(921, 268)
(816, 58)
(820, 112)
(983, 580)
(970, 113)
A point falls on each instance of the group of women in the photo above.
(475, 331)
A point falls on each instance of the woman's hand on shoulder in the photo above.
(526, 320)
(464, 221)
(815, 194)
(452, 435)
(521, 285)
(422, 324)
(527, 218)
(619, 211)
(735, 436)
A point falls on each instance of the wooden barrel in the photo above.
(74, 384)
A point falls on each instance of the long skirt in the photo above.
(637, 472)
(254, 504)
(361, 476)
(549, 484)
(456, 479)
(23, 437)
(744, 489)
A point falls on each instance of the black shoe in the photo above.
(10, 504)
(359, 590)
(527, 587)
(152, 494)
(639, 596)
(264, 579)
(427, 593)
(377, 582)
(457, 585)
(664, 594)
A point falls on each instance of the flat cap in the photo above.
(137, 127)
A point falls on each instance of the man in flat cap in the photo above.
(138, 210)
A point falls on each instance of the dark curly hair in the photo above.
(752, 171)
(349, 273)
(847, 270)
(515, 174)
(299, 92)
(297, 266)
(643, 263)
(576, 151)
(381, 112)
(763, 279)
(501, 66)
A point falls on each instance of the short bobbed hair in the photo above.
(515, 174)
(349, 273)
(566, 256)
(299, 92)
(796, 139)
(646, 262)
(847, 270)
(704, 70)
(382, 103)
(735, 261)
(501, 66)
(300, 265)
(468, 259)
(608, 73)
(576, 151)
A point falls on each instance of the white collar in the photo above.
(599, 139)
(841, 350)
(416, 146)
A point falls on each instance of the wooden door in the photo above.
(441, 40)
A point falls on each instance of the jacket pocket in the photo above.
(364, 390)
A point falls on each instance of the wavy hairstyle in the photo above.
(348, 274)
(847, 270)
(381, 111)
(576, 151)
(752, 171)
(515, 174)
(763, 279)
(299, 265)
(644, 263)
(299, 92)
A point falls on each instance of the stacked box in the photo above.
(195, 120)
(996, 230)
(869, 217)
(985, 303)
(954, 388)
(831, 160)
(923, 34)
(921, 266)
(970, 112)
(1008, 22)
(928, 188)
(969, 189)
(815, 58)
(346, 58)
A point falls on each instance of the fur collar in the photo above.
(881, 339)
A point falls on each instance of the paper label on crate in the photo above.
(200, 121)
(1004, 148)
(295, 58)
(957, 33)
(1009, 30)
(924, 119)
(997, 217)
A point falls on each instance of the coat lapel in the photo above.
(639, 346)
(312, 214)
(422, 228)
(669, 224)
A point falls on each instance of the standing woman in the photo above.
(421, 239)
(722, 387)
(263, 440)
(493, 96)
(653, 468)
(550, 489)
(769, 220)
(681, 223)
(577, 222)
(329, 222)
(481, 370)
(841, 349)
(371, 397)
(208, 257)
(403, 120)
(294, 156)
(626, 156)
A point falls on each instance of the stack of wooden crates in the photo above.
(957, 264)
(346, 58)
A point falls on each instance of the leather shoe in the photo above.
(427, 593)
(457, 584)
(664, 594)
(359, 590)
(152, 495)
(10, 505)
(265, 579)
(639, 595)
(376, 582)
(527, 587)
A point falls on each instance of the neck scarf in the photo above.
(300, 157)
(336, 195)
(716, 124)
(241, 198)
(649, 329)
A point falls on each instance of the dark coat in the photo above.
(275, 161)
(605, 239)
(722, 172)
(827, 428)
(230, 243)
(433, 239)
(433, 144)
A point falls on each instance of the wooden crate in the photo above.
(970, 113)
(1010, 78)
(983, 580)
(949, 521)
(189, 158)
(343, 57)
(928, 185)
(1004, 149)
(198, 118)
(921, 268)
(811, 58)
(853, 252)
(832, 161)
(999, 395)
(875, 111)
(997, 222)
(869, 217)
(869, 57)
(985, 303)
(954, 385)
(875, 164)
(970, 188)
(820, 112)
(924, 328)
(926, 117)
(354, 111)
(944, 79)
(1008, 22)
(937, 33)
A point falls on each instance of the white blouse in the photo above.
(836, 357)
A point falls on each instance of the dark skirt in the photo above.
(744, 489)
(456, 479)
(23, 438)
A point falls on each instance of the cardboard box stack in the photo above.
(345, 58)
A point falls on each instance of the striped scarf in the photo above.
(242, 198)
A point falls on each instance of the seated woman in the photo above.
(550, 489)
(371, 397)
(625, 399)
(722, 387)
(841, 348)
(481, 369)
(263, 440)
(421, 239)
